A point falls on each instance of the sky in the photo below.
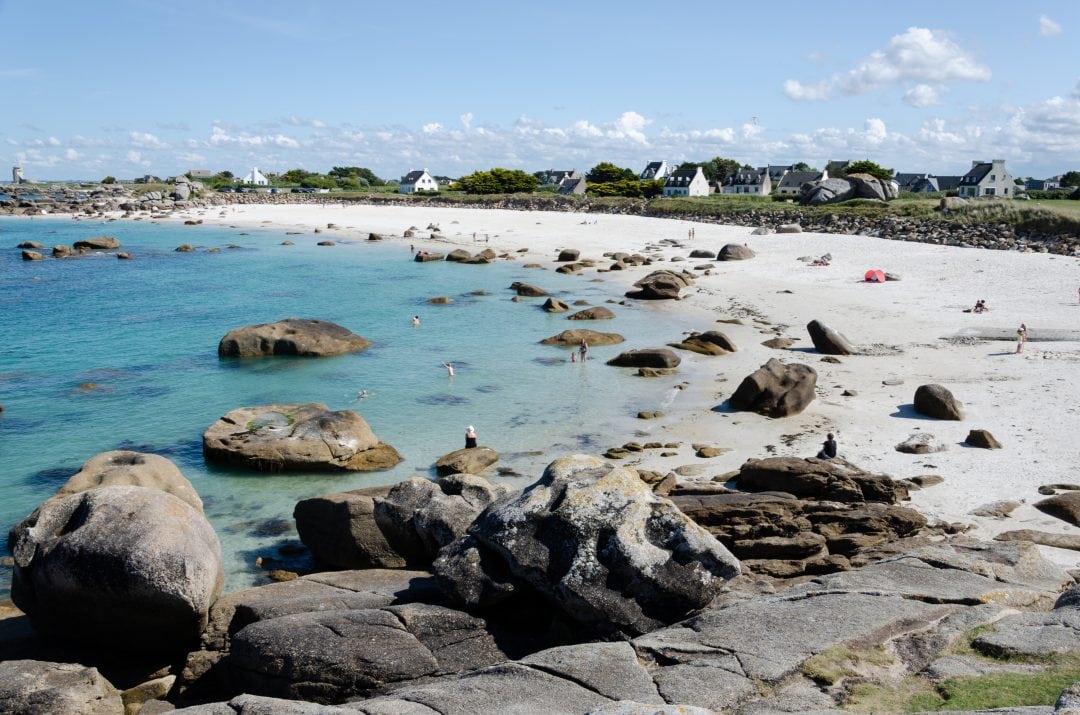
(128, 87)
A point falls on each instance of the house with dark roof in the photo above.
(776, 172)
(1054, 182)
(573, 184)
(748, 181)
(837, 168)
(987, 178)
(418, 181)
(792, 183)
(553, 177)
(686, 182)
(905, 180)
(655, 170)
(928, 184)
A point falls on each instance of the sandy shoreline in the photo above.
(1027, 401)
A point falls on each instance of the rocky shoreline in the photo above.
(993, 235)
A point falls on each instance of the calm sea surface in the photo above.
(99, 354)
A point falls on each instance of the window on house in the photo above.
(989, 192)
(993, 177)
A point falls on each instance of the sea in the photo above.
(99, 354)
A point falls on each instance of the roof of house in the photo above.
(654, 165)
(903, 179)
(751, 177)
(413, 176)
(977, 173)
(945, 183)
(682, 177)
(795, 179)
(571, 185)
(837, 166)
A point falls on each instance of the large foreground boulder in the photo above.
(936, 401)
(129, 567)
(307, 437)
(661, 285)
(776, 389)
(866, 186)
(470, 460)
(340, 530)
(32, 687)
(304, 337)
(124, 467)
(595, 541)
(828, 191)
(735, 252)
(827, 341)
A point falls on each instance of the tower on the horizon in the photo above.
(17, 175)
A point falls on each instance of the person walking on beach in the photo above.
(1021, 338)
(583, 350)
(470, 438)
(449, 368)
(828, 448)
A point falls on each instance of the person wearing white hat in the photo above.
(470, 437)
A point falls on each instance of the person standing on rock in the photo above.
(470, 438)
(828, 448)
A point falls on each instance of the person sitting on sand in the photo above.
(980, 306)
(828, 448)
(470, 438)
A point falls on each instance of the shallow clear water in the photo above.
(145, 334)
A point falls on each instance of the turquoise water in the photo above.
(145, 333)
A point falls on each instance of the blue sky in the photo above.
(126, 87)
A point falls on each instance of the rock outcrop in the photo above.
(31, 687)
(527, 290)
(646, 357)
(470, 460)
(132, 567)
(305, 437)
(596, 542)
(936, 401)
(711, 342)
(823, 479)
(735, 252)
(293, 336)
(97, 243)
(598, 312)
(661, 285)
(776, 389)
(827, 341)
(573, 338)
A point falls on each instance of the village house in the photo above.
(748, 181)
(418, 181)
(200, 173)
(572, 184)
(686, 182)
(791, 184)
(655, 170)
(1054, 182)
(777, 172)
(987, 178)
(255, 178)
(930, 184)
(554, 177)
(837, 168)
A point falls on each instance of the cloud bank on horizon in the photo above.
(928, 101)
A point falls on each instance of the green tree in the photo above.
(1070, 178)
(718, 168)
(605, 172)
(356, 172)
(498, 181)
(652, 187)
(802, 166)
(868, 167)
(109, 180)
(294, 176)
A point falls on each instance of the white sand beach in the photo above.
(1027, 401)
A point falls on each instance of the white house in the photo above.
(418, 181)
(255, 177)
(686, 182)
(573, 184)
(987, 178)
(655, 170)
(748, 181)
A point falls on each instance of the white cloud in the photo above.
(466, 119)
(922, 95)
(1047, 27)
(143, 140)
(137, 158)
(71, 154)
(53, 141)
(431, 128)
(630, 124)
(918, 55)
(220, 136)
(875, 131)
(296, 121)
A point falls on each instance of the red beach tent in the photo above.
(874, 275)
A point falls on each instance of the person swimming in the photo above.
(449, 368)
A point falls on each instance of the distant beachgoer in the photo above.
(449, 368)
(573, 357)
(1021, 338)
(583, 350)
(828, 448)
(412, 248)
(980, 306)
(362, 395)
(470, 437)
(415, 321)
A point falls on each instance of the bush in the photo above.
(498, 181)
